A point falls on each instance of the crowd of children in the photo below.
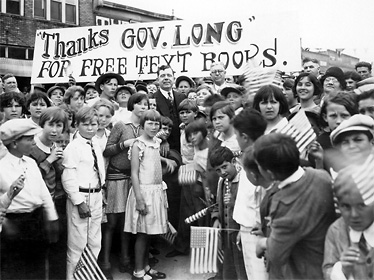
(91, 160)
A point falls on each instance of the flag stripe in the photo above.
(204, 242)
(300, 129)
(363, 177)
(87, 268)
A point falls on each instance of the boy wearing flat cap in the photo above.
(23, 241)
(354, 139)
(349, 244)
(234, 94)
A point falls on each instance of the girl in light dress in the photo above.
(118, 181)
(146, 209)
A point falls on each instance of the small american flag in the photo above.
(187, 174)
(300, 129)
(171, 234)
(87, 267)
(204, 249)
(257, 76)
(363, 176)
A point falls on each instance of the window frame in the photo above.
(3, 7)
(64, 3)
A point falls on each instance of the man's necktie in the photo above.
(170, 97)
(96, 166)
(363, 245)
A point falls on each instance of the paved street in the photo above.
(177, 268)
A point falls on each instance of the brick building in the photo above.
(329, 58)
(19, 20)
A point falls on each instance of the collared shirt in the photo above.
(35, 193)
(354, 236)
(79, 169)
(368, 234)
(122, 114)
(231, 143)
(166, 93)
(217, 89)
(102, 140)
(246, 209)
(187, 149)
(292, 179)
(41, 146)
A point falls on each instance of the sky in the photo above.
(332, 24)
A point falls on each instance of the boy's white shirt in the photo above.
(337, 271)
(247, 207)
(81, 174)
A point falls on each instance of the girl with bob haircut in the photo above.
(151, 115)
(146, 208)
(306, 87)
(221, 115)
(135, 99)
(36, 105)
(272, 104)
(74, 97)
(118, 180)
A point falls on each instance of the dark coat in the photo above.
(164, 108)
(301, 214)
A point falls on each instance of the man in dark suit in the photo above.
(168, 101)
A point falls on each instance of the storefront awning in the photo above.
(18, 67)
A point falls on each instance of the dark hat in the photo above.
(50, 90)
(201, 114)
(232, 88)
(128, 87)
(40, 87)
(141, 86)
(89, 85)
(337, 73)
(288, 83)
(208, 80)
(63, 85)
(184, 78)
(100, 80)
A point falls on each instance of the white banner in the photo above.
(136, 50)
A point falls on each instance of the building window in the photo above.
(14, 7)
(17, 53)
(2, 51)
(65, 11)
(71, 11)
(40, 8)
(56, 10)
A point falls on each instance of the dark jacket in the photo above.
(171, 110)
(300, 215)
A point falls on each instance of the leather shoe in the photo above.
(154, 251)
(156, 274)
(174, 253)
